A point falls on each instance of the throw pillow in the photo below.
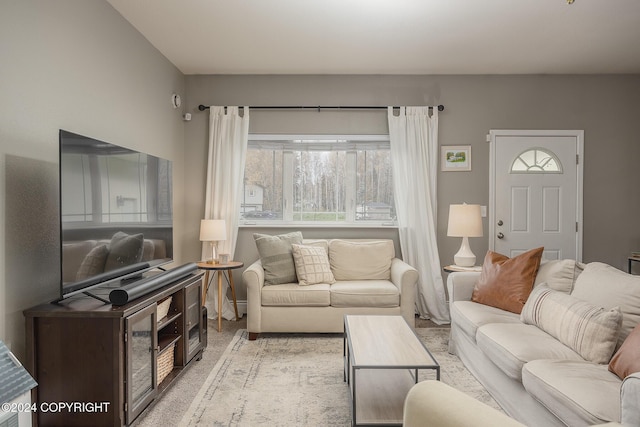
(93, 263)
(626, 361)
(590, 331)
(361, 260)
(124, 249)
(277, 258)
(312, 265)
(558, 274)
(505, 282)
(606, 286)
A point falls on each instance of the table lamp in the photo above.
(213, 230)
(465, 221)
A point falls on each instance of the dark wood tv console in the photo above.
(97, 364)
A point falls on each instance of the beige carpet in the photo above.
(297, 379)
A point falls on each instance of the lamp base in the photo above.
(464, 257)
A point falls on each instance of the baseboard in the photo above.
(242, 306)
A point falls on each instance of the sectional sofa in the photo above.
(551, 364)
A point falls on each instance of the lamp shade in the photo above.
(213, 230)
(465, 221)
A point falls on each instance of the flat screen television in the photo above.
(116, 217)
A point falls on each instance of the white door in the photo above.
(536, 193)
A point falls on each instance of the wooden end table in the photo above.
(221, 269)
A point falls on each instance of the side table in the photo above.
(220, 269)
(453, 267)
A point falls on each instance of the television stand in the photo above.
(83, 351)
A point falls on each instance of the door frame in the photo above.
(579, 135)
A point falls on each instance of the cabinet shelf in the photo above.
(172, 316)
(165, 341)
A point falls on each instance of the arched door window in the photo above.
(536, 160)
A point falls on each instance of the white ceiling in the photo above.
(391, 36)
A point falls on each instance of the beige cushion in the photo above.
(365, 293)
(292, 294)
(579, 393)
(589, 330)
(276, 257)
(369, 260)
(312, 265)
(606, 286)
(560, 274)
(511, 345)
(469, 316)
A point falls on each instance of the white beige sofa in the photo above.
(534, 377)
(433, 403)
(369, 280)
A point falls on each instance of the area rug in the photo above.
(297, 380)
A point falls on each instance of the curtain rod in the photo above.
(318, 108)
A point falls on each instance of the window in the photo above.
(318, 179)
(536, 160)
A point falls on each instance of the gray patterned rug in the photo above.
(297, 379)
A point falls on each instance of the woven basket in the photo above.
(163, 308)
(165, 363)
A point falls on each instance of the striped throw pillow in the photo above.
(590, 331)
(277, 258)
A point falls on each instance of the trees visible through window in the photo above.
(318, 179)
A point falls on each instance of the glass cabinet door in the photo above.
(141, 340)
(193, 319)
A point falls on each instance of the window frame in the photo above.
(288, 187)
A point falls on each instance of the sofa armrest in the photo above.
(460, 285)
(630, 400)
(405, 278)
(434, 403)
(253, 278)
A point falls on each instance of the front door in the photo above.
(536, 192)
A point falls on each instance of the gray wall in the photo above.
(605, 107)
(76, 65)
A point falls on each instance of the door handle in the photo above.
(500, 236)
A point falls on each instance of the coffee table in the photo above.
(382, 356)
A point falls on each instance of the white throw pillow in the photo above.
(608, 287)
(368, 260)
(589, 330)
(312, 265)
(559, 274)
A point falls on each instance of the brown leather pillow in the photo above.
(627, 359)
(507, 282)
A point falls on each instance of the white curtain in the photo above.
(228, 135)
(414, 146)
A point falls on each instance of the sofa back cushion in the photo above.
(589, 330)
(606, 286)
(559, 274)
(505, 282)
(361, 260)
(277, 257)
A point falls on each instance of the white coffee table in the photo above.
(382, 356)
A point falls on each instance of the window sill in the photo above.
(270, 224)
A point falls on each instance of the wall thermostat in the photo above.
(175, 100)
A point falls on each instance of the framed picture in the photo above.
(455, 158)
